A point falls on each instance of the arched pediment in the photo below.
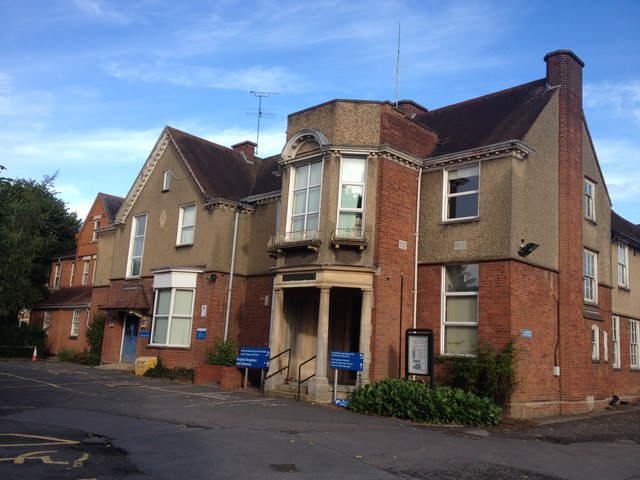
(304, 140)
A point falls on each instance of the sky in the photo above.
(86, 86)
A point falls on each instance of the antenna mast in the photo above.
(398, 66)
(260, 96)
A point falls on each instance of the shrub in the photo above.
(95, 334)
(420, 402)
(222, 352)
(18, 340)
(490, 374)
(85, 357)
(180, 374)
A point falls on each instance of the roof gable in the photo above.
(487, 120)
(625, 230)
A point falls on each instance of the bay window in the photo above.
(172, 317)
(351, 201)
(304, 204)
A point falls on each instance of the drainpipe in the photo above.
(231, 270)
(417, 238)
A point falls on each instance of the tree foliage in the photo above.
(35, 226)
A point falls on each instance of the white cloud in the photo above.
(621, 99)
(98, 9)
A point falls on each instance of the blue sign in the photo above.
(201, 334)
(144, 334)
(251, 357)
(526, 333)
(347, 361)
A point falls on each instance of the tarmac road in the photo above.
(74, 422)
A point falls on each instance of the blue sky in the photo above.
(86, 86)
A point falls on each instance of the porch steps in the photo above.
(289, 390)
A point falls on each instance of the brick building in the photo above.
(484, 221)
(66, 312)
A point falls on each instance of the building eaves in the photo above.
(67, 298)
(624, 230)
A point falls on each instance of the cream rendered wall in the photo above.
(213, 231)
(106, 244)
(252, 257)
(597, 235)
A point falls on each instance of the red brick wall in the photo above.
(404, 134)
(395, 220)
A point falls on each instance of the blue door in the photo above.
(130, 340)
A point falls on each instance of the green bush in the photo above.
(222, 352)
(85, 357)
(180, 374)
(19, 340)
(420, 402)
(95, 334)
(490, 374)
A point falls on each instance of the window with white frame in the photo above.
(595, 343)
(462, 189)
(351, 201)
(589, 200)
(605, 345)
(96, 226)
(590, 276)
(166, 180)
(95, 265)
(623, 273)
(136, 246)
(57, 275)
(73, 273)
(304, 204)
(46, 323)
(172, 316)
(85, 272)
(75, 323)
(187, 224)
(460, 309)
(615, 341)
(634, 355)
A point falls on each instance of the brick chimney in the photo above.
(564, 71)
(247, 149)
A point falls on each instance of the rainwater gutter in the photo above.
(231, 270)
(417, 238)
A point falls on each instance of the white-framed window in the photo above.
(605, 345)
(351, 201)
(95, 265)
(304, 204)
(615, 340)
(136, 245)
(589, 200)
(46, 323)
(172, 316)
(75, 323)
(57, 275)
(85, 272)
(166, 181)
(595, 343)
(73, 273)
(460, 309)
(623, 261)
(96, 226)
(590, 276)
(634, 355)
(187, 224)
(462, 191)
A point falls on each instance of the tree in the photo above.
(35, 226)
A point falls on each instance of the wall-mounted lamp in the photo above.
(212, 277)
(525, 250)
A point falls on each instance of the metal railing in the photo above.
(300, 382)
(288, 350)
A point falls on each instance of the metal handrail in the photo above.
(300, 382)
(283, 368)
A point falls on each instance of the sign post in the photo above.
(345, 361)
(419, 352)
(252, 357)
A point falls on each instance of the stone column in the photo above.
(365, 333)
(319, 385)
(278, 334)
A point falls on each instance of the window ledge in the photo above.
(456, 221)
(591, 221)
(166, 347)
(624, 288)
(359, 241)
(184, 245)
(73, 337)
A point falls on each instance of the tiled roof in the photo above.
(71, 297)
(487, 120)
(223, 172)
(624, 229)
(126, 297)
(111, 205)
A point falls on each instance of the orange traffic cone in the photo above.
(34, 357)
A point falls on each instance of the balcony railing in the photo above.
(355, 236)
(309, 239)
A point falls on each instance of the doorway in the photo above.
(130, 339)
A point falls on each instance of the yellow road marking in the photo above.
(46, 440)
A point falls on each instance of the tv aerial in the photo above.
(260, 112)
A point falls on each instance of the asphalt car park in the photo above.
(75, 422)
